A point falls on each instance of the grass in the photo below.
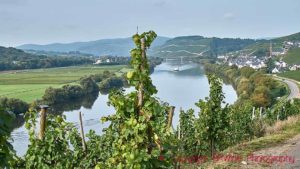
(277, 134)
(29, 85)
(291, 75)
(293, 56)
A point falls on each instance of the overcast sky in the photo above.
(47, 21)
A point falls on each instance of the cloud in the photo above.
(229, 16)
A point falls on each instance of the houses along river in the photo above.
(181, 89)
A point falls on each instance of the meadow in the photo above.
(291, 75)
(29, 85)
(293, 56)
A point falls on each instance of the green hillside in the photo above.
(261, 47)
(199, 46)
(292, 37)
(293, 56)
(291, 75)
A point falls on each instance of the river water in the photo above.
(181, 89)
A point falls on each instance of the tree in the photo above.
(187, 141)
(89, 85)
(261, 97)
(212, 125)
(17, 106)
(270, 65)
(247, 71)
(138, 128)
(6, 149)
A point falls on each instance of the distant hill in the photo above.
(120, 46)
(199, 46)
(16, 59)
(12, 54)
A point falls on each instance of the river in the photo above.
(181, 89)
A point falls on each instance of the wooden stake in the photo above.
(82, 132)
(170, 116)
(253, 113)
(141, 86)
(260, 112)
(178, 128)
(43, 121)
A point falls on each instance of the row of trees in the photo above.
(16, 106)
(88, 85)
(140, 135)
(71, 92)
(250, 84)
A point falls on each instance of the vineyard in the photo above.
(140, 134)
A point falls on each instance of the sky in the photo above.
(49, 21)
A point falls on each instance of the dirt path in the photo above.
(288, 153)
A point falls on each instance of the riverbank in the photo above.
(30, 85)
(251, 85)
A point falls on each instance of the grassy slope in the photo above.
(291, 75)
(30, 85)
(264, 45)
(288, 130)
(293, 56)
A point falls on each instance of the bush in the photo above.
(112, 82)
(89, 85)
(17, 106)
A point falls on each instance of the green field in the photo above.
(29, 85)
(291, 75)
(293, 56)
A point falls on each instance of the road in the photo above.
(294, 89)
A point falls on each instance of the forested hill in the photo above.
(119, 47)
(13, 54)
(199, 46)
(16, 59)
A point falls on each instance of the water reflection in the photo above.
(85, 102)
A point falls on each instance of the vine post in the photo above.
(44, 109)
(82, 132)
(253, 113)
(141, 83)
(170, 116)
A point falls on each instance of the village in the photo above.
(255, 62)
(111, 60)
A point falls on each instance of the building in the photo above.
(275, 70)
(294, 67)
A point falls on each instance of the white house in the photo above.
(99, 61)
(284, 64)
(275, 70)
